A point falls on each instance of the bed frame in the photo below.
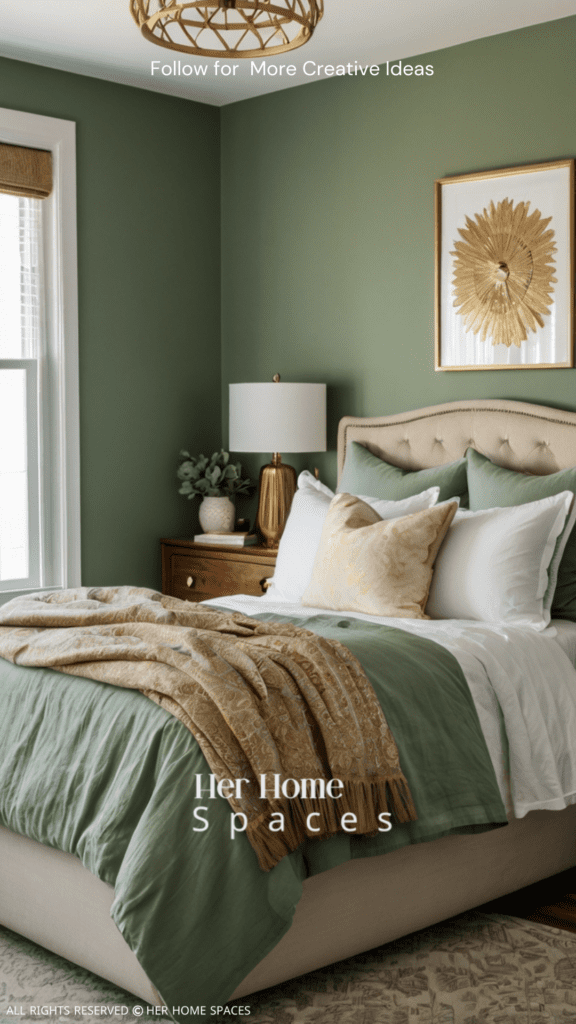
(52, 899)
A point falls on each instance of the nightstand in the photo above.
(196, 572)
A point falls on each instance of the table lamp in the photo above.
(277, 417)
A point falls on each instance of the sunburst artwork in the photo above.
(504, 284)
(504, 272)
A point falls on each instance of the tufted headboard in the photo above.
(527, 438)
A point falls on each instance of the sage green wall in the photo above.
(149, 294)
(327, 256)
(328, 243)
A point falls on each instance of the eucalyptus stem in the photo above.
(212, 477)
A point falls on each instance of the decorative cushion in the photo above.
(493, 486)
(301, 537)
(494, 565)
(365, 473)
(380, 567)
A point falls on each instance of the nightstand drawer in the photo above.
(197, 578)
(197, 575)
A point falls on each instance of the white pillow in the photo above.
(495, 565)
(557, 556)
(306, 479)
(301, 538)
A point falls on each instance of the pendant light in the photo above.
(228, 28)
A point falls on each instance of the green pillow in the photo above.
(365, 473)
(492, 486)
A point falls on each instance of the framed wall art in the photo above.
(504, 245)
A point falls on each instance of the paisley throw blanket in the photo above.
(266, 701)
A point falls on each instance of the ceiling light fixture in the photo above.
(228, 28)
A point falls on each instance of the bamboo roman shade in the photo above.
(25, 172)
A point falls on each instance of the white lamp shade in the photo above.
(277, 417)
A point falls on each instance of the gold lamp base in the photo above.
(277, 488)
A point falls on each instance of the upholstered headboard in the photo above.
(527, 438)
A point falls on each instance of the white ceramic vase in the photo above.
(217, 514)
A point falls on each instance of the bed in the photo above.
(50, 897)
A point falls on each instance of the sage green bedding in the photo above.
(366, 473)
(107, 775)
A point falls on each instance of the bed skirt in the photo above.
(51, 898)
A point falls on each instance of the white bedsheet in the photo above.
(524, 673)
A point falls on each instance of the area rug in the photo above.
(474, 969)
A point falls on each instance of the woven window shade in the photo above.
(25, 172)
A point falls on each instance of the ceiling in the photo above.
(99, 38)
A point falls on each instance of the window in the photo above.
(39, 450)
(20, 336)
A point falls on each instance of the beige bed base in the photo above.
(51, 898)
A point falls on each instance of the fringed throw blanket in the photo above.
(265, 701)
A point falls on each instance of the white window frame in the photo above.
(60, 421)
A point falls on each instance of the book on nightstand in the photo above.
(235, 540)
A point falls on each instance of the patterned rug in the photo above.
(475, 969)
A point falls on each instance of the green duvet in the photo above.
(106, 774)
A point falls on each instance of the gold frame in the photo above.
(439, 184)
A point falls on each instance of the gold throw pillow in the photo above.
(373, 565)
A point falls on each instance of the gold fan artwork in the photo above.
(504, 272)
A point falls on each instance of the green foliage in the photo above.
(211, 478)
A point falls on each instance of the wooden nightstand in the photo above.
(196, 572)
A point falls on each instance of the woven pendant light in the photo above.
(228, 28)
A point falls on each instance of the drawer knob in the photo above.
(190, 581)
